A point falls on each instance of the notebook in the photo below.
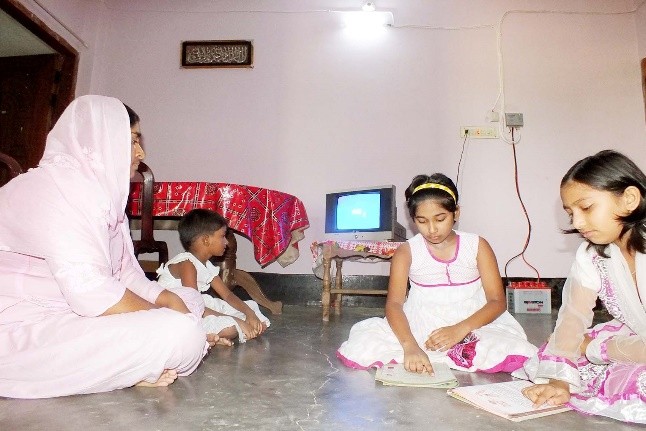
(505, 400)
(396, 375)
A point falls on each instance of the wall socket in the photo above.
(479, 132)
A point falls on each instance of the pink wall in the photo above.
(322, 111)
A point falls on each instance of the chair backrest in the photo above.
(12, 168)
(145, 175)
(147, 242)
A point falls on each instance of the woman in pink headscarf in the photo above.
(77, 314)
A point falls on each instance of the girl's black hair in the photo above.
(132, 115)
(442, 197)
(611, 171)
(198, 222)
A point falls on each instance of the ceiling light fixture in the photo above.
(368, 7)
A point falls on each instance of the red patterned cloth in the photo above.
(381, 249)
(272, 220)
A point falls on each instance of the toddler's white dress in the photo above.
(442, 293)
(205, 274)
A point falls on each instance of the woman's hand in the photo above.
(170, 300)
(554, 393)
(416, 361)
(442, 339)
(129, 302)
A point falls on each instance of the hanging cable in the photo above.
(522, 204)
(464, 144)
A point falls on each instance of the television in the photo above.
(363, 214)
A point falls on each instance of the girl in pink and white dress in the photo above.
(455, 311)
(600, 370)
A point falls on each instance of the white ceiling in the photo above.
(17, 40)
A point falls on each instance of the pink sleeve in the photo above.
(133, 277)
(89, 289)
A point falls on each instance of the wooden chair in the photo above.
(147, 242)
(12, 170)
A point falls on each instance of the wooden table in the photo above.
(323, 253)
(274, 222)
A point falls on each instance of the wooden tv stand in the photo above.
(338, 251)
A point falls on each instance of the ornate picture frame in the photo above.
(217, 53)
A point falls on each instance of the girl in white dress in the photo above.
(600, 370)
(455, 311)
(202, 233)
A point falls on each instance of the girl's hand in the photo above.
(255, 323)
(442, 339)
(416, 361)
(584, 345)
(248, 331)
(554, 393)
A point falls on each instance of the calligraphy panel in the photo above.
(217, 53)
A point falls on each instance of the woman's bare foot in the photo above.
(166, 378)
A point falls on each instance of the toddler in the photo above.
(202, 234)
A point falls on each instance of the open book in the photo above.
(396, 375)
(505, 400)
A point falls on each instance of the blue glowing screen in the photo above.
(358, 211)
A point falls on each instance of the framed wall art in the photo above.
(217, 53)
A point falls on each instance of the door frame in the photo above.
(70, 56)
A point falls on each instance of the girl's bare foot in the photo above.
(166, 378)
(224, 342)
(214, 339)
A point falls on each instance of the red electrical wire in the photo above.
(522, 204)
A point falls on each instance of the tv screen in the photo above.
(358, 211)
(366, 213)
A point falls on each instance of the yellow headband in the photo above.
(435, 186)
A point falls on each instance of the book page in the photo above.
(397, 374)
(505, 398)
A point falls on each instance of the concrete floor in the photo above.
(289, 379)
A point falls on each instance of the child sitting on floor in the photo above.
(455, 311)
(600, 370)
(202, 234)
